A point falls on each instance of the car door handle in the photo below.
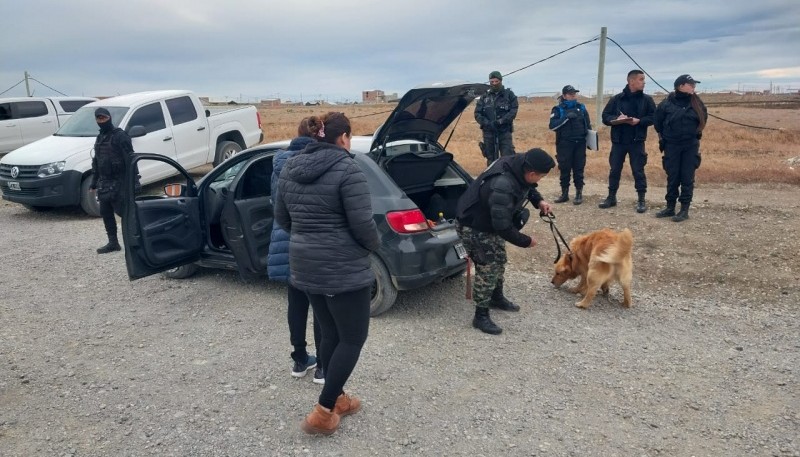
(167, 138)
(200, 128)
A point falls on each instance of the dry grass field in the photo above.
(731, 153)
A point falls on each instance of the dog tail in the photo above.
(621, 249)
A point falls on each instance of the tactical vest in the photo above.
(110, 162)
(469, 203)
(575, 129)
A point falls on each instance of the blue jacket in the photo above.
(278, 256)
(324, 201)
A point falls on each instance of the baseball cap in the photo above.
(568, 89)
(685, 79)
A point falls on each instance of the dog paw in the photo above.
(582, 305)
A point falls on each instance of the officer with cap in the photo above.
(570, 120)
(492, 212)
(680, 119)
(495, 113)
(112, 154)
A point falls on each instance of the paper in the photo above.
(591, 140)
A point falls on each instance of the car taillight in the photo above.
(258, 116)
(408, 221)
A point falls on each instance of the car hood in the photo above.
(49, 149)
(425, 111)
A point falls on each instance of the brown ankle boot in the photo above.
(346, 405)
(320, 422)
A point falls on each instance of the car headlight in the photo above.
(51, 169)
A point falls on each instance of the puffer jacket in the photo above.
(676, 120)
(494, 196)
(278, 256)
(324, 202)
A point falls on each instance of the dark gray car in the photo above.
(225, 219)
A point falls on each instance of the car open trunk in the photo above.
(430, 178)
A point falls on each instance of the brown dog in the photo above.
(598, 258)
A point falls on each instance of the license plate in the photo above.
(13, 185)
(462, 253)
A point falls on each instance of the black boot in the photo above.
(610, 201)
(484, 323)
(668, 211)
(500, 302)
(578, 196)
(564, 195)
(113, 245)
(683, 214)
(641, 206)
(110, 247)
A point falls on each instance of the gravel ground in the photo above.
(704, 364)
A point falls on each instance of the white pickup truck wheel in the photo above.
(89, 203)
(225, 150)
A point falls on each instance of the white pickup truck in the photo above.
(24, 120)
(56, 171)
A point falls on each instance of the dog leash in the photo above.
(550, 218)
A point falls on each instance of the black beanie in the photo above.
(539, 161)
(101, 112)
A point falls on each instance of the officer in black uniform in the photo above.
(629, 113)
(495, 113)
(570, 120)
(680, 120)
(490, 213)
(112, 154)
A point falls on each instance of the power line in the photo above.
(45, 85)
(550, 57)
(668, 91)
(15, 85)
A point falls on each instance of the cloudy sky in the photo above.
(251, 49)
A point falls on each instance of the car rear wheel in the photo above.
(182, 272)
(225, 150)
(384, 293)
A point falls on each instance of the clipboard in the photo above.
(621, 121)
(592, 140)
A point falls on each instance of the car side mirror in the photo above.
(136, 131)
(175, 190)
(208, 113)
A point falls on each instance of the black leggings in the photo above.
(344, 320)
(297, 315)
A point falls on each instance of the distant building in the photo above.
(377, 96)
(270, 102)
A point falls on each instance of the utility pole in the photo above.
(600, 70)
(27, 84)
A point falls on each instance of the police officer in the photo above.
(490, 213)
(495, 113)
(112, 154)
(629, 113)
(680, 119)
(570, 120)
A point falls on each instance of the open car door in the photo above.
(246, 219)
(160, 232)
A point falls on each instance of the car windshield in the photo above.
(82, 123)
(230, 173)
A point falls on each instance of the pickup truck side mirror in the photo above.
(175, 190)
(208, 113)
(136, 131)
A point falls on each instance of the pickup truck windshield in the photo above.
(82, 123)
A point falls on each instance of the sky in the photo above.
(247, 50)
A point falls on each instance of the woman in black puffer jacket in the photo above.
(325, 206)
